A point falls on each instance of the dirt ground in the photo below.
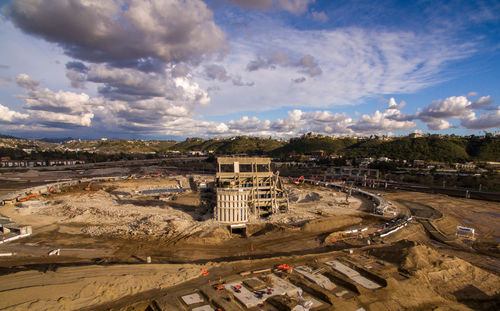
(114, 223)
(72, 288)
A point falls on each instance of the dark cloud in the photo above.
(253, 4)
(299, 80)
(238, 81)
(106, 31)
(307, 64)
(219, 73)
(216, 72)
(77, 66)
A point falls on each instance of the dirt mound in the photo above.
(331, 223)
(311, 197)
(452, 278)
(395, 253)
(420, 257)
(216, 236)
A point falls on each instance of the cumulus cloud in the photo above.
(484, 121)
(394, 105)
(483, 102)
(451, 107)
(307, 64)
(378, 122)
(10, 116)
(103, 31)
(389, 120)
(437, 125)
(27, 82)
(48, 109)
(437, 114)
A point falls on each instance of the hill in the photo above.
(430, 148)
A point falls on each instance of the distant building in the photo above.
(419, 163)
(415, 135)
(465, 166)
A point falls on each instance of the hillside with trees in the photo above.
(429, 148)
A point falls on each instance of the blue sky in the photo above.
(218, 68)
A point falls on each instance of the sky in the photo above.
(167, 69)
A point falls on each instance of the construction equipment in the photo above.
(284, 267)
(237, 288)
(298, 181)
(204, 272)
(88, 186)
(29, 196)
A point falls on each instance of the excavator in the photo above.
(88, 186)
(29, 196)
(298, 181)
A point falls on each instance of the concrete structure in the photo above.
(232, 205)
(192, 299)
(317, 278)
(247, 185)
(352, 274)
(250, 299)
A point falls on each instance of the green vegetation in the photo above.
(431, 148)
(234, 145)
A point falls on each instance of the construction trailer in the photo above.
(247, 186)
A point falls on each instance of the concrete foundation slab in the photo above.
(203, 308)
(366, 283)
(192, 299)
(319, 279)
(353, 274)
(244, 296)
(340, 267)
(251, 299)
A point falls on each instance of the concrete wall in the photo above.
(232, 206)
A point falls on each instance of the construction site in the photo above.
(243, 238)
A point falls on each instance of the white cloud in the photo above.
(354, 64)
(483, 102)
(451, 107)
(9, 116)
(319, 16)
(483, 122)
(458, 107)
(438, 125)
(292, 6)
(295, 6)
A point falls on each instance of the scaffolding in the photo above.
(264, 190)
